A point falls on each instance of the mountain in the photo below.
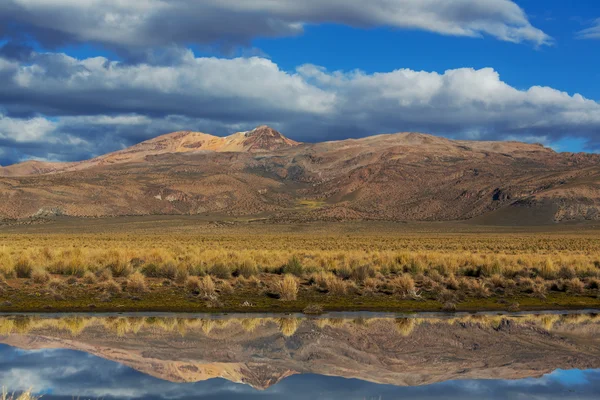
(263, 174)
(262, 351)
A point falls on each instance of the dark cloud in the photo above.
(134, 25)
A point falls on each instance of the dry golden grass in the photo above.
(136, 283)
(287, 288)
(408, 265)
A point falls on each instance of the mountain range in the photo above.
(264, 175)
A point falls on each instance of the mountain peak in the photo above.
(265, 138)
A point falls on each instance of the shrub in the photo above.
(181, 276)
(55, 284)
(287, 288)
(294, 267)
(40, 276)
(479, 289)
(192, 284)
(335, 285)
(136, 283)
(540, 290)
(548, 270)
(247, 268)
(118, 266)
(220, 270)
(452, 282)
(567, 272)
(574, 286)
(362, 272)
(23, 267)
(204, 287)
(593, 283)
(111, 287)
(371, 285)
(207, 287)
(89, 278)
(226, 288)
(498, 281)
(404, 285)
(105, 275)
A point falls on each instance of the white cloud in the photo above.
(96, 105)
(592, 32)
(25, 130)
(155, 23)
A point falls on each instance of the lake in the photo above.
(335, 356)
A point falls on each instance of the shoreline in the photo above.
(327, 304)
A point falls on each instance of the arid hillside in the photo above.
(262, 174)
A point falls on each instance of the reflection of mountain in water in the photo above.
(262, 351)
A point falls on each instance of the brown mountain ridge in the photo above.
(263, 174)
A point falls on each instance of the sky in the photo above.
(80, 78)
(67, 374)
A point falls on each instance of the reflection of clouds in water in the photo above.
(64, 374)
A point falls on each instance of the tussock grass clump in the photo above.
(23, 267)
(136, 283)
(192, 284)
(287, 288)
(293, 267)
(89, 278)
(112, 287)
(246, 268)
(330, 283)
(574, 286)
(404, 286)
(220, 270)
(204, 287)
(55, 284)
(39, 276)
(181, 276)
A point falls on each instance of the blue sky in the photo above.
(88, 77)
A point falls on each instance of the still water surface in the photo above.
(337, 356)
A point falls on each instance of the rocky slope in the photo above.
(260, 173)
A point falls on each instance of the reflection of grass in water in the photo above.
(23, 396)
(123, 326)
(406, 326)
(288, 326)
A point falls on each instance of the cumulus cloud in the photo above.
(55, 106)
(592, 32)
(132, 25)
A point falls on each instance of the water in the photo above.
(337, 356)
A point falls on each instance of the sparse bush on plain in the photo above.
(247, 268)
(89, 278)
(220, 270)
(575, 286)
(136, 283)
(404, 286)
(288, 288)
(23, 267)
(40, 276)
(294, 267)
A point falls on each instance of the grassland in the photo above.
(190, 264)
